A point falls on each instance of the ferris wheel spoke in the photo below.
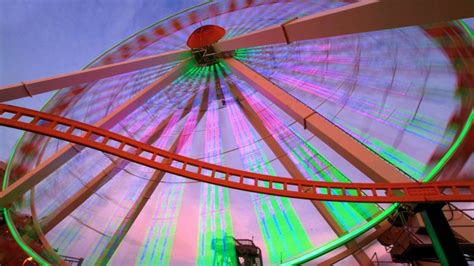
(95, 184)
(35, 87)
(257, 123)
(104, 176)
(349, 148)
(363, 16)
(26, 182)
(152, 184)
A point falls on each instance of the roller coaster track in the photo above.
(138, 152)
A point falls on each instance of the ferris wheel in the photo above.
(301, 125)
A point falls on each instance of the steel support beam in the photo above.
(462, 226)
(149, 188)
(104, 176)
(94, 185)
(352, 150)
(363, 16)
(256, 121)
(141, 153)
(31, 88)
(442, 237)
(25, 183)
(48, 252)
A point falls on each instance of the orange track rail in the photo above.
(138, 152)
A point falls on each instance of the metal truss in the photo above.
(361, 16)
(35, 87)
(138, 152)
(352, 150)
(27, 181)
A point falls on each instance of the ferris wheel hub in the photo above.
(201, 42)
(204, 36)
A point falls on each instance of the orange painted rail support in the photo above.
(138, 152)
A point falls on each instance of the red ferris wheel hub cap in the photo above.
(205, 35)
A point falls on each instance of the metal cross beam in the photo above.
(109, 172)
(363, 16)
(353, 151)
(138, 152)
(132, 214)
(256, 120)
(29, 180)
(31, 88)
(93, 185)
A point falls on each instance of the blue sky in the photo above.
(41, 38)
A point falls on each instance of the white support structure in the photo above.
(145, 195)
(252, 116)
(349, 148)
(363, 16)
(31, 88)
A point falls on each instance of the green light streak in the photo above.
(19, 240)
(145, 253)
(352, 235)
(346, 215)
(348, 237)
(314, 254)
(15, 234)
(292, 231)
(451, 150)
(9, 164)
(365, 211)
(342, 214)
(7, 216)
(466, 28)
(412, 167)
(343, 239)
(215, 244)
(434, 239)
(283, 233)
(279, 227)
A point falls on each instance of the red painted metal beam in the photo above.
(138, 152)
(363, 16)
(31, 88)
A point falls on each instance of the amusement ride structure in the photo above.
(302, 125)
